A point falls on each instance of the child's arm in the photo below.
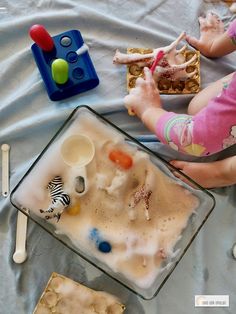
(145, 101)
(214, 41)
(208, 132)
(208, 174)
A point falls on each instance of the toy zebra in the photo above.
(60, 200)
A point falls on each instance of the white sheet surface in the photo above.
(28, 119)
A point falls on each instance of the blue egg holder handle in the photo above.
(82, 74)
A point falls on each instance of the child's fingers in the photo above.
(214, 17)
(182, 178)
(139, 81)
(217, 22)
(148, 75)
(179, 164)
(203, 23)
(134, 90)
(194, 42)
(201, 20)
(129, 100)
(211, 20)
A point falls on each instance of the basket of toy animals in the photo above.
(113, 202)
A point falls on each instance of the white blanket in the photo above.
(28, 119)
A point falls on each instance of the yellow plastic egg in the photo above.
(60, 71)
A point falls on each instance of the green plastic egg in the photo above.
(60, 71)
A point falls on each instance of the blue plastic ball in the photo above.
(104, 247)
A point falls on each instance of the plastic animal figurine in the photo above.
(60, 200)
(172, 64)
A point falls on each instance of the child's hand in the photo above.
(211, 28)
(144, 96)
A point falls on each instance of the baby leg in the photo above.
(202, 98)
(209, 174)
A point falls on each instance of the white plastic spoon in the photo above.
(20, 254)
(5, 169)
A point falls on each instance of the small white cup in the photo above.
(78, 151)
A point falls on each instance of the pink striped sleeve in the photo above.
(161, 126)
(174, 129)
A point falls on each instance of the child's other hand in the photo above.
(211, 27)
(144, 95)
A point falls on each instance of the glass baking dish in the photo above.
(113, 201)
